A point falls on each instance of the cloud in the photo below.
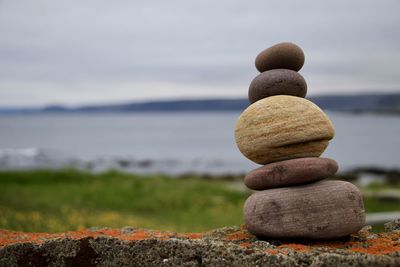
(78, 51)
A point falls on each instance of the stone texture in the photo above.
(290, 172)
(280, 56)
(277, 82)
(230, 246)
(392, 226)
(282, 127)
(321, 210)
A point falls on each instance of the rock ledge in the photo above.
(231, 246)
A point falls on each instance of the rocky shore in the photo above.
(231, 246)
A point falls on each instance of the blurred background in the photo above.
(123, 113)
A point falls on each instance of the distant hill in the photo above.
(387, 103)
(380, 103)
(174, 105)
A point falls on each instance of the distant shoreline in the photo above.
(362, 103)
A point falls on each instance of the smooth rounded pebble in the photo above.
(277, 82)
(321, 210)
(290, 172)
(282, 127)
(280, 56)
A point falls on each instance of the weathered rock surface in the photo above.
(277, 82)
(320, 210)
(290, 172)
(233, 246)
(280, 56)
(282, 127)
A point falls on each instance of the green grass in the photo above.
(68, 200)
(377, 205)
(55, 201)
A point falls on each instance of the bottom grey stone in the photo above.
(321, 210)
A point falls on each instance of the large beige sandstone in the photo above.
(282, 127)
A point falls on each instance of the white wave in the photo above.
(36, 158)
(29, 158)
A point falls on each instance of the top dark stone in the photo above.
(280, 56)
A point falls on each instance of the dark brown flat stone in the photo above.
(290, 172)
(277, 82)
(320, 210)
(280, 56)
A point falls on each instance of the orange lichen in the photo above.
(271, 251)
(376, 250)
(193, 236)
(245, 244)
(238, 235)
(10, 237)
(137, 235)
(327, 244)
(378, 244)
(87, 233)
(161, 235)
(296, 247)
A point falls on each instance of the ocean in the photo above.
(174, 143)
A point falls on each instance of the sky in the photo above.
(77, 52)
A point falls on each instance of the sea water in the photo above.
(180, 142)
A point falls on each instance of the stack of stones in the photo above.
(286, 133)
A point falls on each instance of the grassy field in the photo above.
(67, 200)
(54, 201)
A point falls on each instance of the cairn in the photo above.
(286, 133)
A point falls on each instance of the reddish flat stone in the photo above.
(290, 172)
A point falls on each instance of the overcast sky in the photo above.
(97, 51)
